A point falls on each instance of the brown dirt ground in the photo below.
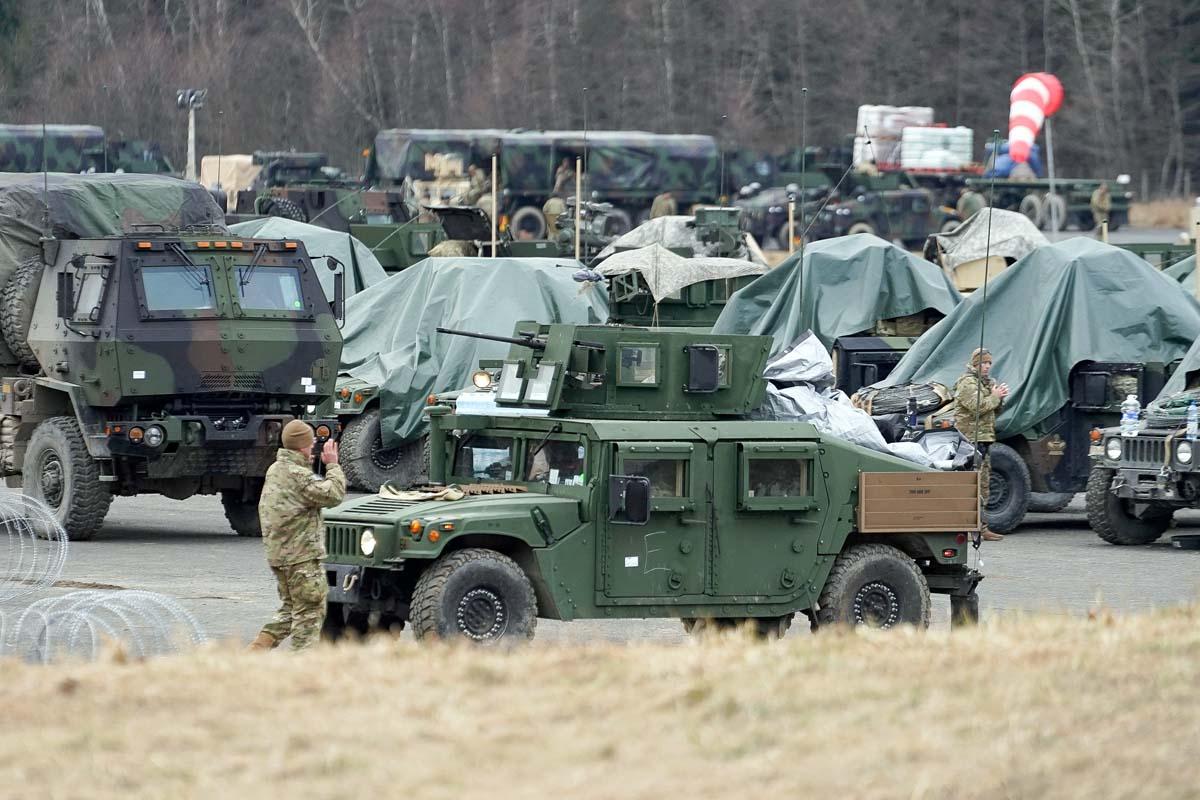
(1021, 708)
(1161, 214)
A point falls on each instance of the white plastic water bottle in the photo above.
(1130, 410)
(1193, 421)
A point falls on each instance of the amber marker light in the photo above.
(323, 431)
(136, 434)
(414, 526)
(1095, 434)
(143, 245)
(434, 536)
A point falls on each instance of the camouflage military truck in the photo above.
(612, 472)
(76, 148)
(891, 205)
(626, 169)
(128, 155)
(1138, 482)
(147, 350)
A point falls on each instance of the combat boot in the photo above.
(989, 535)
(264, 641)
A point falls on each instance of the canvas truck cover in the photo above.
(230, 173)
(400, 153)
(674, 232)
(362, 267)
(666, 273)
(390, 336)
(1011, 235)
(1074, 301)
(842, 286)
(21, 147)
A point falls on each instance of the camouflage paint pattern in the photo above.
(21, 147)
(973, 398)
(290, 508)
(302, 591)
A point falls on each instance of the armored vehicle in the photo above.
(165, 360)
(614, 473)
(1139, 481)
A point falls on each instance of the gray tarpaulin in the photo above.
(665, 273)
(1066, 303)
(674, 232)
(842, 286)
(1012, 236)
(390, 337)
(362, 267)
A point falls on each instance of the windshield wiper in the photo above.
(555, 428)
(244, 281)
(193, 269)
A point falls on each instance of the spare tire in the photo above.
(282, 207)
(528, 219)
(16, 309)
(617, 223)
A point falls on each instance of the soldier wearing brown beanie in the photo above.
(290, 512)
(977, 400)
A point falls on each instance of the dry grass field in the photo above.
(1020, 708)
(1175, 213)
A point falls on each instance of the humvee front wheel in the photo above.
(1117, 520)
(368, 464)
(59, 472)
(242, 513)
(474, 594)
(875, 585)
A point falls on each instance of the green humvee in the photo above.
(162, 361)
(613, 472)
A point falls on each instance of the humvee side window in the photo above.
(779, 477)
(668, 477)
(178, 288)
(270, 288)
(486, 458)
(420, 242)
(638, 365)
(559, 463)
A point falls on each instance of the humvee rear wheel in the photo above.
(760, 627)
(1120, 521)
(16, 309)
(875, 585)
(474, 594)
(60, 473)
(242, 513)
(1008, 491)
(369, 465)
(1049, 502)
(861, 227)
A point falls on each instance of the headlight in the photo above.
(366, 542)
(842, 211)
(482, 379)
(1112, 449)
(1183, 453)
(155, 435)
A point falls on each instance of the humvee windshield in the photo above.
(178, 288)
(270, 288)
(559, 463)
(488, 458)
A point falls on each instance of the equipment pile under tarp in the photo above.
(666, 273)
(842, 286)
(390, 336)
(362, 267)
(1074, 301)
(1011, 236)
(800, 388)
(1183, 271)
(677, 232)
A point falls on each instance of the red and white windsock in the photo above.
(1035, 96)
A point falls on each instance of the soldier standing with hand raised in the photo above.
(290, 512)
(977, 399)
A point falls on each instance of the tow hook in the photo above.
(350, 580)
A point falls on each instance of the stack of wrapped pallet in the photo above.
(880, 129)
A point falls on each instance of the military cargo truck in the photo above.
(164, 360)
(614, 473)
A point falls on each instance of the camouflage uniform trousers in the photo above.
(303, 590)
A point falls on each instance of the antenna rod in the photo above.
(803, 172)
(721, 184)
(45, 179)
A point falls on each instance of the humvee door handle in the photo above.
(686, 521)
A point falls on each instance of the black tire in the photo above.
(1049, 502)
(1031, 206)
(474, 594)
(16, 309)
(781, 235)
(1008, 494)
(341, 623)
(242, 514)
(861, 227)
(964, 611)
(759, 627)
(617, 223)
(528, 219)
(875, 585)
(59, 472)
(1054, 210)
(368, 465)
(1112, 517)
(282, 207)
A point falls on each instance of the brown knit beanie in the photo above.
(297, 435)
(979, 355)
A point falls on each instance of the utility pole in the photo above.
(190, 100)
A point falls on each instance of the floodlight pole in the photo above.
(495, 194)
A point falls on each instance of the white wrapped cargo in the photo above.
(936, 148)
(882, 150)
(890, 121)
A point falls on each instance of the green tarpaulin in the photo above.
(362, 267)
(842, 286)
(1066, 303)
(390, 337)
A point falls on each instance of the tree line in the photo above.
(327, 74)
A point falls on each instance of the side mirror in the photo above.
(66, 295)
(339, 288)
(628, 499)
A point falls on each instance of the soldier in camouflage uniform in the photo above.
(290, 511)
(664, 205)
(478, 188)
(977, 400)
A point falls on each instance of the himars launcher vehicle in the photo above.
(613, 472)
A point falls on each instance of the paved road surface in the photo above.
(185, 549)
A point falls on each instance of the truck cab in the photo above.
(613, 472)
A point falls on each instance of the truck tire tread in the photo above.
(16, 309)
(850, 564)
(90, 499)
(1121, 530)
(431, 588)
